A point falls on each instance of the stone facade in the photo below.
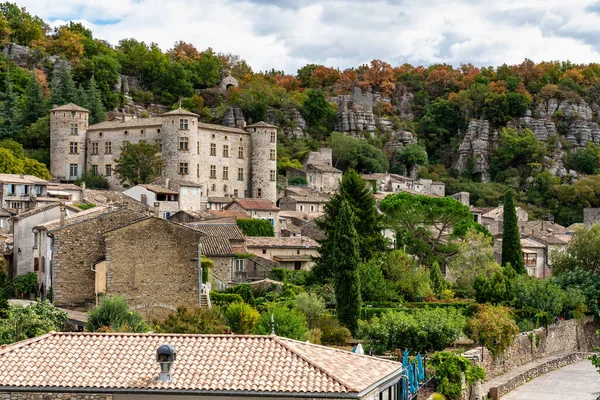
(475, 149)
(150, 263)
(224, 161)
(591, 216)
(77, 249)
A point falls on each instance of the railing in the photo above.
(219, 283)
(249, 276)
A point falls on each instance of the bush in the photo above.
(423, 331)
(338, 336)
(255, 227)
(313, 336)
(288, 276)
(85, 206)
(221, 299)
(449, 369)
(192, 320)
(27, 283)
(494, 328)
(114, 315)
(288, 323)
(245, 292)
(241, 318)
(311, 305)
(93, 181)
(34, 320)
(297, 181)
(538, 294)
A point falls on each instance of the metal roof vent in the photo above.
(165, 356)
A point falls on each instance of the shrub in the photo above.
(422, 331)
(289, 323)
(494, 328)
(311, 305)
(221, 299)
(297, 181)
(255, 227)
(27, 283)
(241, 318)
(192, 320)
(36, 319)
(85, 206)
(245, 292)
(313, 336)
(542, 295)
(448, 373)
(113, 314)
(93, 181)
(338, 336)
(4, 306)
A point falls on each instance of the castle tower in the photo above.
(68, 132)
(263, 179)
(178, 136)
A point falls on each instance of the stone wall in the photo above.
(563, 337)
(151, 264)
(77, 248)
(53, 395)
(591, 216)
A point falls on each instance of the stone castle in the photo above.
(223, 161)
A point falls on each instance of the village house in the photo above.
(257, 209)
(493, 218)
(394, 183)
(5, 221)
(20, 193)
(129, 366)
(293, 253)
(537, 251)
(66, 192)
(169, 196)
(218, 202)
(310, 203)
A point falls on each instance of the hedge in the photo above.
(255, 227)
(219, 299)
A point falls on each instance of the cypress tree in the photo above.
(438, 282)
(94, 100)
(346, 282)
(511, 238)
(35, 105)
(369, 223)
(9, 112)
(62, 89)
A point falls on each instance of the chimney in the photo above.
(62, 214)
(167, 181)
(165, 356)
(241, 123)
(82, 187)
(156, 211)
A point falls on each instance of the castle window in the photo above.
(73, 170)
(272, 154)
(198, 147)
(107, 170)
(158, 130)
(94, 170)
(273, 175)
(73, 148)
(126, 132)
(213, 135)
(213, 172)
(94, 148)
(213, 149)
(73, 114)
(225, 151)
(74, 128)
(183, 123)
(225, 189)
(214, 187)
(108, 148)
(198, 170)
(183, 143)
(159, 143)
(183, 168)
(241, 153)
(235, 193)
(301, 207)
(225, 172)
(240, 174)
(259, 193)
(100, 134)
(273, 137)
(142, 131)
(312, 208)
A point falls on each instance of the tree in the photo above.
(138, 164)
(241, 318)
(451, 370)
(412, 156)
(94, 101)
(27, 322)
(373, 283)
(311, 305)
(369, 224)
(9, 112)
(290, 323)
(193, 320)
(34, 104)
(93, 181)
(582, 252)
(317, 111)
(255, 227)
(438, 283)
(345, 258)
(511, 237)
(351, 153)
(493, 327)
(113, 315)
(63, 89)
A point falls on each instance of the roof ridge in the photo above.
(152, 333)
(316, 365)
(17, 345)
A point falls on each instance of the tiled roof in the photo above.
(549, 239)
(103, 197)
(229, 214)
(27, 179)
(219, 199)
(290, 242)
(213, 127)
(175, 183)
(86, 215)
(323, 168)
(307, 216)
(132, 123)
(36, 210)
(309, 199)
(254, 204)
(159, 189)
(181, 111)
(230, 232)
(249, 365)
(70, 107)
(216, 246)
(261, 124)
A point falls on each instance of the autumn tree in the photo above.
(380, 76)
(67, 43)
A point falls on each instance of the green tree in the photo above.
(63, 89)
(194, 320)
(312, 305)
(373, 283)
(582, 252)
(290, 323)
(351, 153)
(440, 127)
(493, 327)
(34, 104)
(138, 164)
(255, 227)
(511, 237)
(450, 370)
(93, 181)
(27, 322)
(345, 258)
(9, 164)
(25, 29)
(317, 111)
(305, 73)
(241, 318)
(369, 224)
(9, 112)
(114, 315)
(412, 156)
(94, 100)
(438, 283)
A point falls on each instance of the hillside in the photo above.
(531, 127)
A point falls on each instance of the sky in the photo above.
(288, 34)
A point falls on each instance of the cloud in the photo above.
(286, 34)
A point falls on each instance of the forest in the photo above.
(436, 104)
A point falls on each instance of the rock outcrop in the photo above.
(355, 112)
(475, 149)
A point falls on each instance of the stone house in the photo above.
(492, 218)
(19, 193)
(536, 251)
(225, 161)
(125, 366)
(25, 238)
(294, 253)
(311, 203)
(318, 171)
(257, 209)
(5, 221)
(169, 196)
(216, 203)
(66, 192)
(394, 183)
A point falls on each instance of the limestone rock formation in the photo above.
(399, 140)
(233, 116)
(477, 145)
(406, 105)
(355, 112)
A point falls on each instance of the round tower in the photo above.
(263, 179)
(68, 132)
(178, 136)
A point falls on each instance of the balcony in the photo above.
(249, 276)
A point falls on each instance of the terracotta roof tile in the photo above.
(290, 242)
(227, 231)
(70, 107)
(254, 204)
(216, 246)
(204, 362)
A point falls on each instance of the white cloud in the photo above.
(288, 34)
